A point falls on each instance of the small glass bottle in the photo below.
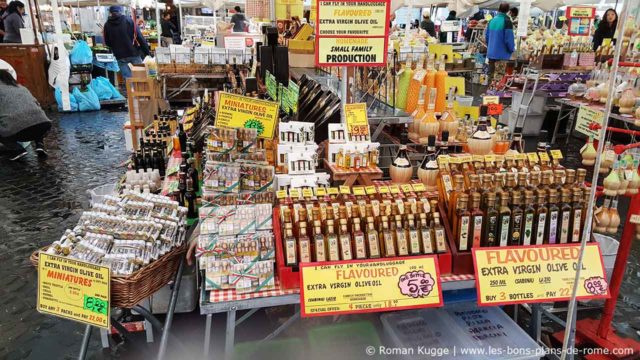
(438, 233)
(462, 223)
(551, 231)
(389, 245)
(541, 217)
(426, 237)
(402, 243)
(576, 222)
(505, 219)
(373, 243)
(565, 217)
(414, 235)
(529, 218)
(290, 247)
(359, 240)
(491, 222)
(517, 219)
(304, 243)
(319, 243)
(345, 241)
(333, 248)
(477, 220)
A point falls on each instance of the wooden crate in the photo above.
(142, 99)
(29, 64)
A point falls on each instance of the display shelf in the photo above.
(629, 119)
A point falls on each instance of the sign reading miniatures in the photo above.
(348, 287)
(352, 32)
(579, 18)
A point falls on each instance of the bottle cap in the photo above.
(445, 135)
(431, 141)
(484, 110)
(528, 195)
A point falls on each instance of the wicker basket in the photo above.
(127, 291)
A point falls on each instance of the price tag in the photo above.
(306, 192)
(333, 191)
(510, 157)
(529, 274)
(345, 190)
(533, 158)
(397, 284)
(357, 121)
(544, 156)
(320, 191)
(466, 159)
(383, 189)
(489, 158)
(371, 190)
(406, 188)
(486, 100)
(294, 193)
(394, 189)
(635, 219)
(74, 290)
(494, 109)
(521, 156)
(499, 158)
(358, 191)
(478, 158)
(443, 159)
(419, 187)
(556, 154)
(281, 194)
(562, 18)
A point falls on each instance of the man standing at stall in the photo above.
(125, 39)
(168, 29)
(500, 42)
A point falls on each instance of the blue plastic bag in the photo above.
(87, 100)
(102, 91)
(115, 94)
(81, 53)
(72, 100)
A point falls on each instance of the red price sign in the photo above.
(494, 109)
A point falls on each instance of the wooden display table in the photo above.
(29, 63)
(364, 176)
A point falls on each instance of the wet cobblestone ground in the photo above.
(42, 198)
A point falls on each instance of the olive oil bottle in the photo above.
(576, 218)
(491, 222)
(414, 235)
(373, 242)
(541, 217)
(529, 217)
(359, 240)
(304, 243)
(402, 242)
(477, 220)
(517, 220)
(565, 217)
(344, 237)
(505, 219)
(426, 237)
(389, 249)
(290, 245)
(462, 223)
(333, 248)
(551, 231)
(319, 243)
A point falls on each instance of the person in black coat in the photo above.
(606, 28)
(428, 25)
(125, 40)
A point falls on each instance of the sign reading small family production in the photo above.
(236, 111)
(528, 274)
(74, 290)
(352, 32)
(347, 287)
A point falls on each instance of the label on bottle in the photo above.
(447, 184)
(361, 248)
(528, 229)
(492, 230)
(345, 247)
(504, 230)
(577, 218)
(383, 189)
(477, 231)
(553, 227)
(414, 242)
(305, 251)
(564, 230)
(336, 209)
(323, 211)
(516, 229)
(291, 251)
(374, 249)
(403, 248)
(463, 240)
(542, 220)
(320, 254)
(375, 204)
(390, 247)
(349, 206)
(281, 194)
(427, 241)
(441, 241)
(334, 249)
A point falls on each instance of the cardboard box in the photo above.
(302, 46)
(302, 60)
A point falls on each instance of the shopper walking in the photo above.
(500, 42)
(12, 21)
(125, 40)
(3, 10)
(168, 29)
(21, 118)
(239, 21)
(428, 25)
(606, 28)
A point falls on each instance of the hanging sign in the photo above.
(540, 273)
(352, 32)
(74, 290)
(357, 121)
(348, 287)
(580, 20)
(587, 116)
(523, 17)
(236, 111)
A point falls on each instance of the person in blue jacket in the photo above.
(125, 40)
(499, 38)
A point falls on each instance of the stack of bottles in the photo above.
(363, 226)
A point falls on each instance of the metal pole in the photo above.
(181, 22)
(569, 336)
(172, 307)
(158, 25)
(343, 91)
(85, 343)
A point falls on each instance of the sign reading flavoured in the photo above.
(74, 290)
(587, 116)
(357, 121)
(352, 32)
(236, 111)
(540, 273)
(347, 287)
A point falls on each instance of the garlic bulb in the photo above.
(611, 183)
(588, 153)
(602, 217)
(624, 180)
(614, 221)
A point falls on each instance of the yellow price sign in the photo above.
(486, 100)
(509, 157)
(358, 191)
(556, 154)
(357, 121)
(466, 159)
(383, 189)
(543, 156)
(321, 191)
(478, 158)
(371, 190)
(74, 290)
(521, 156)
(533, 158)
(394, 189)
(538, 273)
(489, 158)
(406, 188)
(236, 111)
(419, 187)
(281, 194)
(307, 192)
(443, 159)
(380, 285)
(294, 193)
(332, 191)
(345, 190)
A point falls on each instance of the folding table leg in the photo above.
(85, 343)
(229, 339)
(207, 337)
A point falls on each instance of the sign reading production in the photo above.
(375, 285)
(236, 111)
(541, 273)
(352, 32)
(74, 290)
